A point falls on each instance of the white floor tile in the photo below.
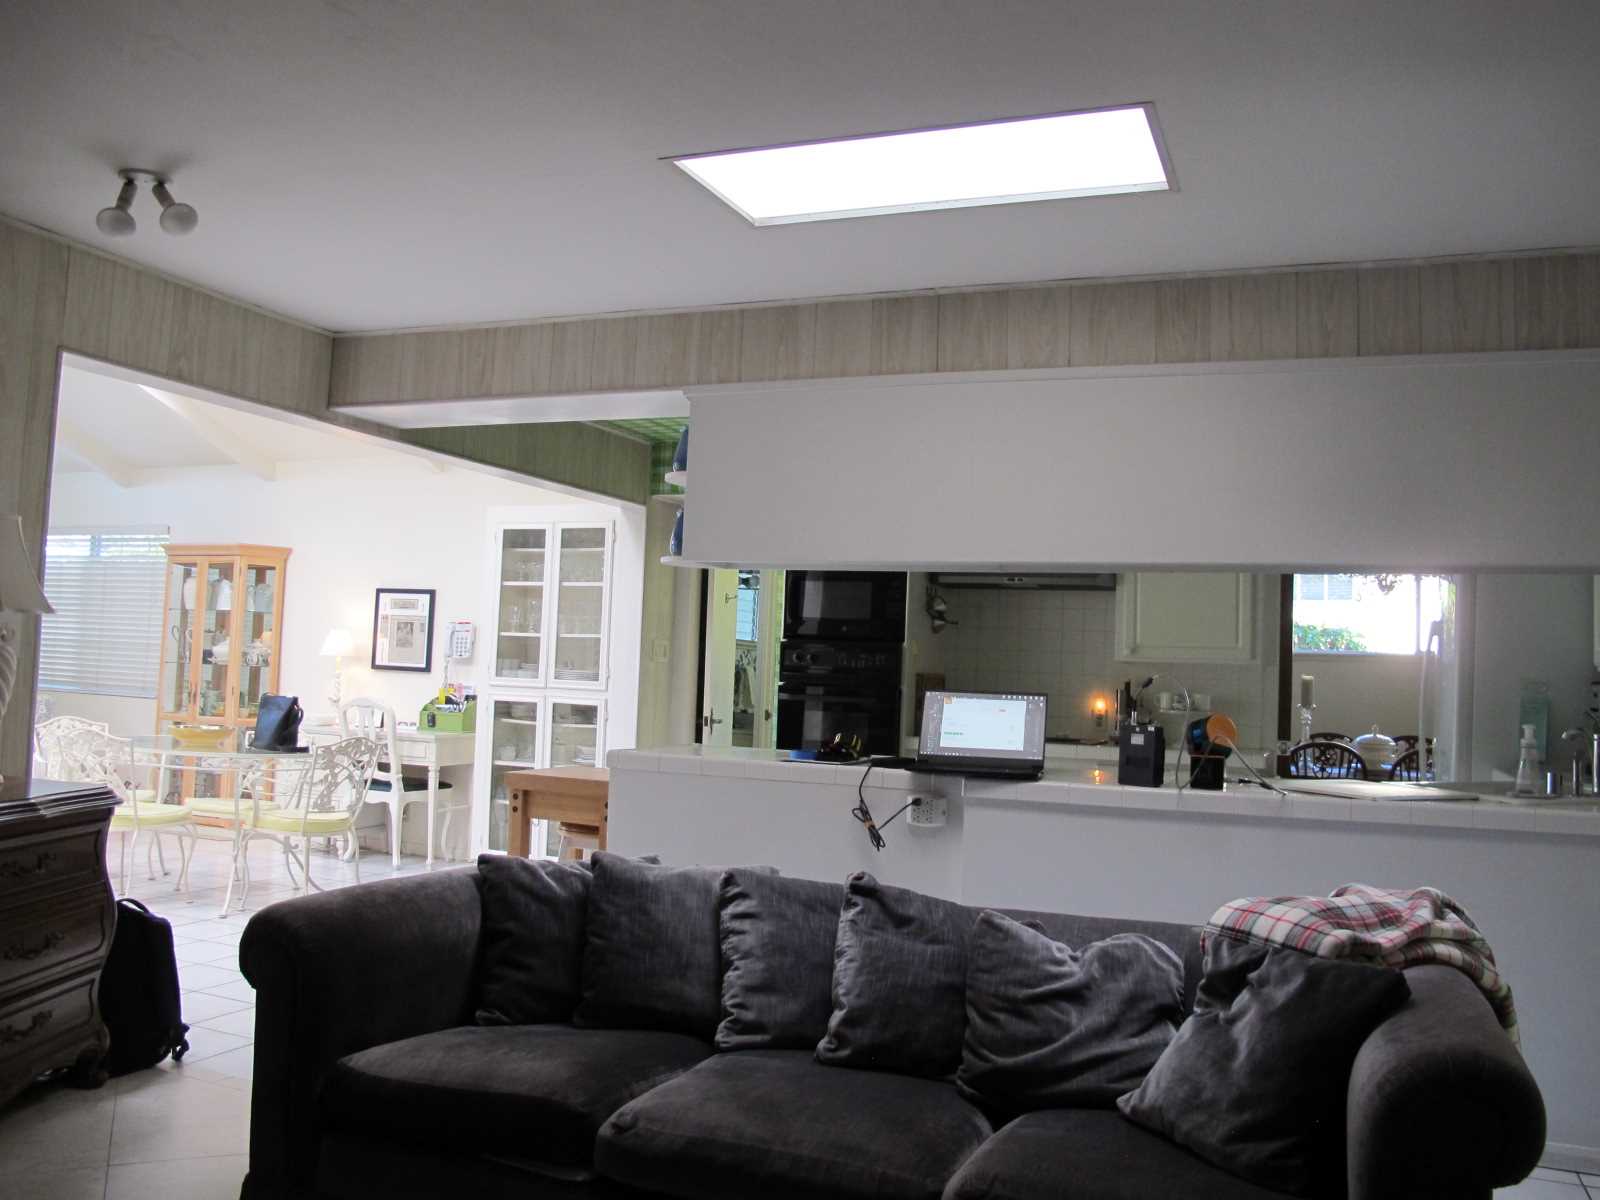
(239, 1024)
(205, 1043)
(78, 1183)
(195, 953)
(239, 990)
(55, 1127)
(185, 1179)
(1555, 1176)
(203, 977)
(199, 1007)
(1543, 1189)
(238, 1064)
(167, 1115)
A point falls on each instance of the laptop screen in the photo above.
(993, 725)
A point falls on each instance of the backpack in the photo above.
(139, 992)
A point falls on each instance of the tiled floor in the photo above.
(180, 1131)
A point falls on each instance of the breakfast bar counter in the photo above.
(1076, 841)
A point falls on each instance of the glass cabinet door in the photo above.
(514, 746)
(216, 640)
(258, 598)
(581, 605)
(519, 636)
(574, 734)
(177, 650)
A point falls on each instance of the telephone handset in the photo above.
(461, 638)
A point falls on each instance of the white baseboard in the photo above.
(1559, 1156)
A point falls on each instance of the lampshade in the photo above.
(19, 586)
(337, 644)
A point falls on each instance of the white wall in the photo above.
(1357, 691)
(1437, 465)
(355, 526)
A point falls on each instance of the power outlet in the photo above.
(928, 812)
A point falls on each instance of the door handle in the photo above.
(711, 719)
(766, 714)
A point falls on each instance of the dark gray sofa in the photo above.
(371, 1080)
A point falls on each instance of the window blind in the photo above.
(106, 586)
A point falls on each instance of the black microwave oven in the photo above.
(845, 606)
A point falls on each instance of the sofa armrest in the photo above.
(339, 972)
(1440, 1101)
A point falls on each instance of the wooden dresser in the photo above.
(57, 915)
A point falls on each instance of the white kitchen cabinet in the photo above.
(1186, 616)
(552, 606)
(525, 734)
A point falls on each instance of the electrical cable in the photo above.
(864, 814)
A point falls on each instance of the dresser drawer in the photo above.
(50, 861)
(45, 1016)
(38, 938)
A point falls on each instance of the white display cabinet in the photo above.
(552, 587)
(530, 734)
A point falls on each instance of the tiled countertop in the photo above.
(1093, 786)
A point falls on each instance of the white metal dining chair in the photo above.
(61, 741)
(372, 719)
(325, 801)
(141, 811)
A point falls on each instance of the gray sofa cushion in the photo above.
(777, 960)
(537, 1091)
(533, 933)
(775, 1124)
(1090, 1154)
(1049, 1026)
(653, 957)
(1257, 1078)
(899, 981)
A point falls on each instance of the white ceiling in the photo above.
(99, 416)
(362, 164)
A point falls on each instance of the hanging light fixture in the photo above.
(117, 221)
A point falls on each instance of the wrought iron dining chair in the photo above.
(141, 811)
(1408, 767)
(60, 742)
(1326, 760)
(325, 801)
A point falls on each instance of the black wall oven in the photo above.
(828, 688)
(845, 606)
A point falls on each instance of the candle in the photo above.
(1306, 682)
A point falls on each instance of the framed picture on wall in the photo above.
(402, 630)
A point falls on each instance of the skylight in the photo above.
(1012, 161)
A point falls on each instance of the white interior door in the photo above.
(770, 635)
(721, 649)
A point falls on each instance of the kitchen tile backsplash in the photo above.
(1064, 645)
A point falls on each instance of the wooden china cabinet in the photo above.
(220, 643)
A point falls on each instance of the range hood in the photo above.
(1026, 581)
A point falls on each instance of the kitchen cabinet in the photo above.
(551, 615)
(1186, 616)
(531, 734)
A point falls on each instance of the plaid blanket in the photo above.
(1378, 925)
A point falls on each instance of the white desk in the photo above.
(417, 749)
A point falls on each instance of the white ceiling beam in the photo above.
(97, 454)
(250, 457)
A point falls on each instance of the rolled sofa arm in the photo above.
(339, 972)
(1440, 1102)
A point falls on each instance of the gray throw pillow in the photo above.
(652, 958)
(1053, 1027)
(899, 981)
(1255, 1081)
(533, 933)
(777, 960)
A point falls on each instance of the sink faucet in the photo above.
(1585, 745)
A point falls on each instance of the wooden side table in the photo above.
(575, 795)
(57, 915)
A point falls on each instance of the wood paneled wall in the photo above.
(1549, 302)
(54, 297)
(567, 452)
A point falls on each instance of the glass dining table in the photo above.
(240, 785)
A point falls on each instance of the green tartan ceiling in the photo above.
(652, 429)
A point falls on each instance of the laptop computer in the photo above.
(991, 734)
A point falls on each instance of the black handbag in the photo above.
(278, 723)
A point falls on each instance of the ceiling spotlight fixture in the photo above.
(117, 221)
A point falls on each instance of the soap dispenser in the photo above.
(1527, 762)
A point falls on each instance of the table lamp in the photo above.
(336, 645)
(19, 593)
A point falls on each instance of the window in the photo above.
(106, 586)
(1366, 614)
(746, 620)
